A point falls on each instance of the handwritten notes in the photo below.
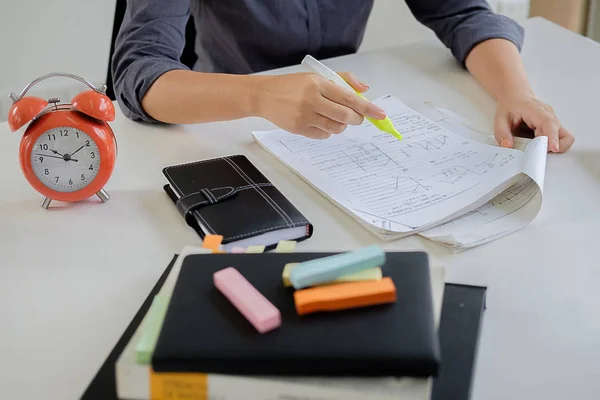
(506, 213)
(396, 188)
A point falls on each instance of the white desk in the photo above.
(71, 278)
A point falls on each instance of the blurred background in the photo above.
(75, 36)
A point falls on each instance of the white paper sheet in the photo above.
(396, 188)
(506, 213)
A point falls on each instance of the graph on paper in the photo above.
(431, 176)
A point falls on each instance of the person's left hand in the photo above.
(538, 116)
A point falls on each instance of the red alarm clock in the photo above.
(68, 151)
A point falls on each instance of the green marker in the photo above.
(384, 125)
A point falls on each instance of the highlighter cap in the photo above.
(321, 69)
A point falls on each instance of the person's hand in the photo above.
(538, 116)
(310, 105)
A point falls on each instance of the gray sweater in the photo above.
(246, 36)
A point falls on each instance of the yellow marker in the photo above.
(369, 274)
(285, 246)
(384, 125)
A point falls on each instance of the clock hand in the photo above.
(61, 158)
(55, 152)
(47, 155)
(77, 150)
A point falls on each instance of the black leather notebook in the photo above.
(204, 332)
(460, 326)
(229, 196)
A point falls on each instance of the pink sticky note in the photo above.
(238, 250)
(259, 311)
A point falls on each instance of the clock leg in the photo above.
(46, 202)
(103, 195)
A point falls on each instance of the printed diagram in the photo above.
(434, 143)
(455, 174)
(369, 157)
(505, 160)
(489, 163)
(522, 191)
(408, 185)
(494, 161)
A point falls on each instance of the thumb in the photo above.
(503, 130)
(353, 81)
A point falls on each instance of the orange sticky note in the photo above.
(345, 295)
(212, 242)
(178, 386)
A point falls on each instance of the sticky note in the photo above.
(327, 269)
(151, 329)
(238, 250)
(369, 274)
(285, 246)
(255, 249)
(178, 385)
(259, 311)
(212, 242)
(343, 296)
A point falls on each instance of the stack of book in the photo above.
(193, 343)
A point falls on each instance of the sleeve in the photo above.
(150, 42)
(462, 24)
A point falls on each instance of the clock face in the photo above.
(65, 159)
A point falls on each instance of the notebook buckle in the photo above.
(192, 201)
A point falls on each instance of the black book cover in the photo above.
(204, 332)
(229, 196)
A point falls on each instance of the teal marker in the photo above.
(329, 269)
(384, 125)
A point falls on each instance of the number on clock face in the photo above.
(65, 159)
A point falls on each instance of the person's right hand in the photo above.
(310, 105)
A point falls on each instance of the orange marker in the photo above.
(345, 295)
(212, 242)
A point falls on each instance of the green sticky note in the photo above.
(285, 246)
(255, 249)
(151, 330)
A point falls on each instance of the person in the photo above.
(236, 38)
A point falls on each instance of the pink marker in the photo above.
(238, 250)
(261, 313)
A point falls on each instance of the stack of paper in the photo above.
(442, 184)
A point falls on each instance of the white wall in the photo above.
(37, 37)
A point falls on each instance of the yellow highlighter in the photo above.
(313, 64)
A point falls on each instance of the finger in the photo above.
(566, 140)
(353, 81)
(338, 112)
(544, 124)
(550, 128)
(328, 125)
(346, 98)
(502, 130)
(313, 132)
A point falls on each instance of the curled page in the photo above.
(508, 212)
